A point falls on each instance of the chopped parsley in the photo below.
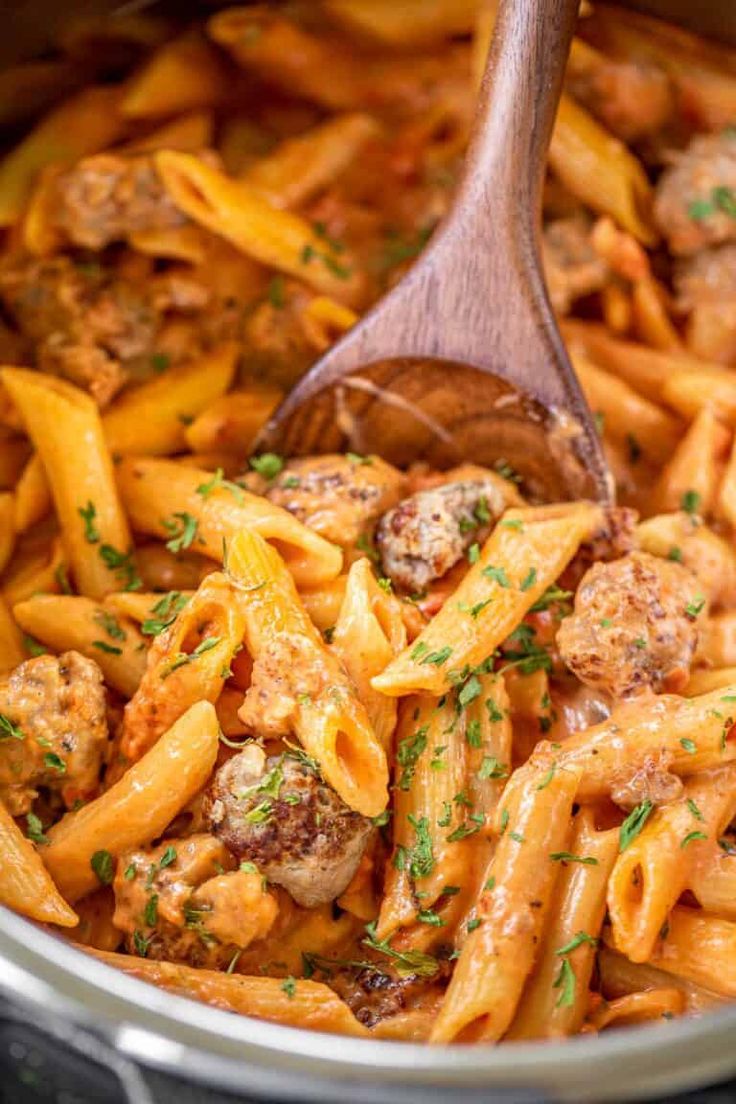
(166, 610)
(436, 659)
(565, 982)
(88, 514)
(289, 987)
(268, 464)
(218, 482)
(103, 865)
(9, 730)
(689, 745)
(110, 624)
(474, 553)
(690, 502)
(35, 829)
(529, 579)
(498, 574)
(408, 753)
(695, 608)
(691, 837)
(491, 768)
(54, 762)
(566, 856)
(634, 823)
(183, 530)
(407, 963)
(123, 566)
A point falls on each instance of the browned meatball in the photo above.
(184, 901)
(634, 625)
(706, 286)
(338, 496)
(694, 204)
(426, 534)
(633, 99)
(54, 730)
(572, 267)
(279, 814)
(104, 198)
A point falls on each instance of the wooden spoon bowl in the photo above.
(463, 360)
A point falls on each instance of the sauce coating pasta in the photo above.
(381, 752)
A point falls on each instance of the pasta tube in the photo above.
(309, 1004)
(620, 977)
(684, 735)
(86, 123)
(658, 432)
(578, 910)
(712, 879)
(499, 954)
(156, 493)
(182, 75)
(328, 718)
(66, 622)
(32, 495)
(188, 662)
(430, 827)
(25, 883)
(11, 641)
(299, 168)
(230, 422)
(369, 632)
(600, 171)
(700, 948)
(139, 807)
(656, 867)
(524, 554)
(65, 427)
(243, 217)
(151, 418)
(265, 43)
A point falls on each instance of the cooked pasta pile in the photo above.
(401, 754)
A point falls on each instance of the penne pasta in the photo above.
(230, 422)
(182, 75)
(66, 622)
(66, 429)
(683, 735)
(85, 123)
(310, 1005)
(526, 552)
(699, 948)
(299, 168)
(11, 641)
(328, 718)
(25, 884)
(600, 171)
(694, 466)
(32, 498)
(623, 408)
(548, 1009)
(152, 418)
(139, 807)
(712, 878)
(159, 493)
(188, 662)
(653, 871)
(368, 633)
(499, 955)
(431, 848)
(241, 215)
(620, 978)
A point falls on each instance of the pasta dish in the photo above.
(401, 754)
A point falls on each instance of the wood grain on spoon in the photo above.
(463, 358)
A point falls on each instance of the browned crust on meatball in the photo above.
(280, 815)
(634, 625)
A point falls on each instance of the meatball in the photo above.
(426, 534)
(572, 267)
(279, 814)
(184, 901)
(633, 99)
(706, 286)
(105, 198)
(614, 538)
(338, 496)
(88, 323)
(694, 202)
(54, 730)
(633, 626)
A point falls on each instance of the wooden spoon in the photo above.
(463, 360)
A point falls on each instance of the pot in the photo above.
(74, 1029)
